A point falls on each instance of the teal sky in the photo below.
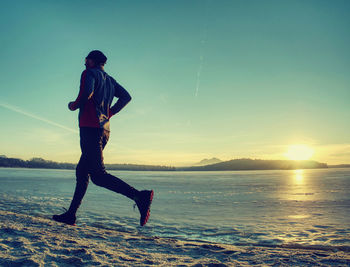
(224, 79)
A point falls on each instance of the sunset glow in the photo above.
(299, 152)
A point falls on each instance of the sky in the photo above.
(225, 79)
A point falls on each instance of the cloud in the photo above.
(344, 154)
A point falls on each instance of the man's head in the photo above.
(95, 59)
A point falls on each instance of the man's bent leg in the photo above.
(97, 170)
(104, 179)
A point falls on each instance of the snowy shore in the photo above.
(38, 241)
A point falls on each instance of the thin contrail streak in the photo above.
(201, 56)
(18, 110)
(199, 74)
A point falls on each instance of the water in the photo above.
(264, 208)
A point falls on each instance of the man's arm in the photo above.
(123, 98)
(87, 86)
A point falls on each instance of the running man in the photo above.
(97, 90)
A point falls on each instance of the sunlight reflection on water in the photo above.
(298, 176)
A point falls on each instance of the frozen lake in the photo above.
(263, 208)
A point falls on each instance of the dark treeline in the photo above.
(257, 164)
(231, 165)
(48, 164)
(136, 167)
(34, 163)
(339, 166)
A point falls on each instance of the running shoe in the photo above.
(66, 217)
(143, 202)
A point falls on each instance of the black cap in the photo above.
(98, 57)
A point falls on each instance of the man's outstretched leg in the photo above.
(82, 177)
(82, 182)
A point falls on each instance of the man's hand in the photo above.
(70, 106)
(110, 113)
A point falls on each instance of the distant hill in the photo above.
(257, 164)
(207, 162)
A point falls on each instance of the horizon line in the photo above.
(155, 164)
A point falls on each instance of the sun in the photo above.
(299, 152)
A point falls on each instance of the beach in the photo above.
(39, 241)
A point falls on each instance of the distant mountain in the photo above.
(207, 162)
(257, 164)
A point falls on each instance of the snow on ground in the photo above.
(27, 240)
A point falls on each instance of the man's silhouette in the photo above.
(97, 90)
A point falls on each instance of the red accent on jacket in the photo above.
(88, 117)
